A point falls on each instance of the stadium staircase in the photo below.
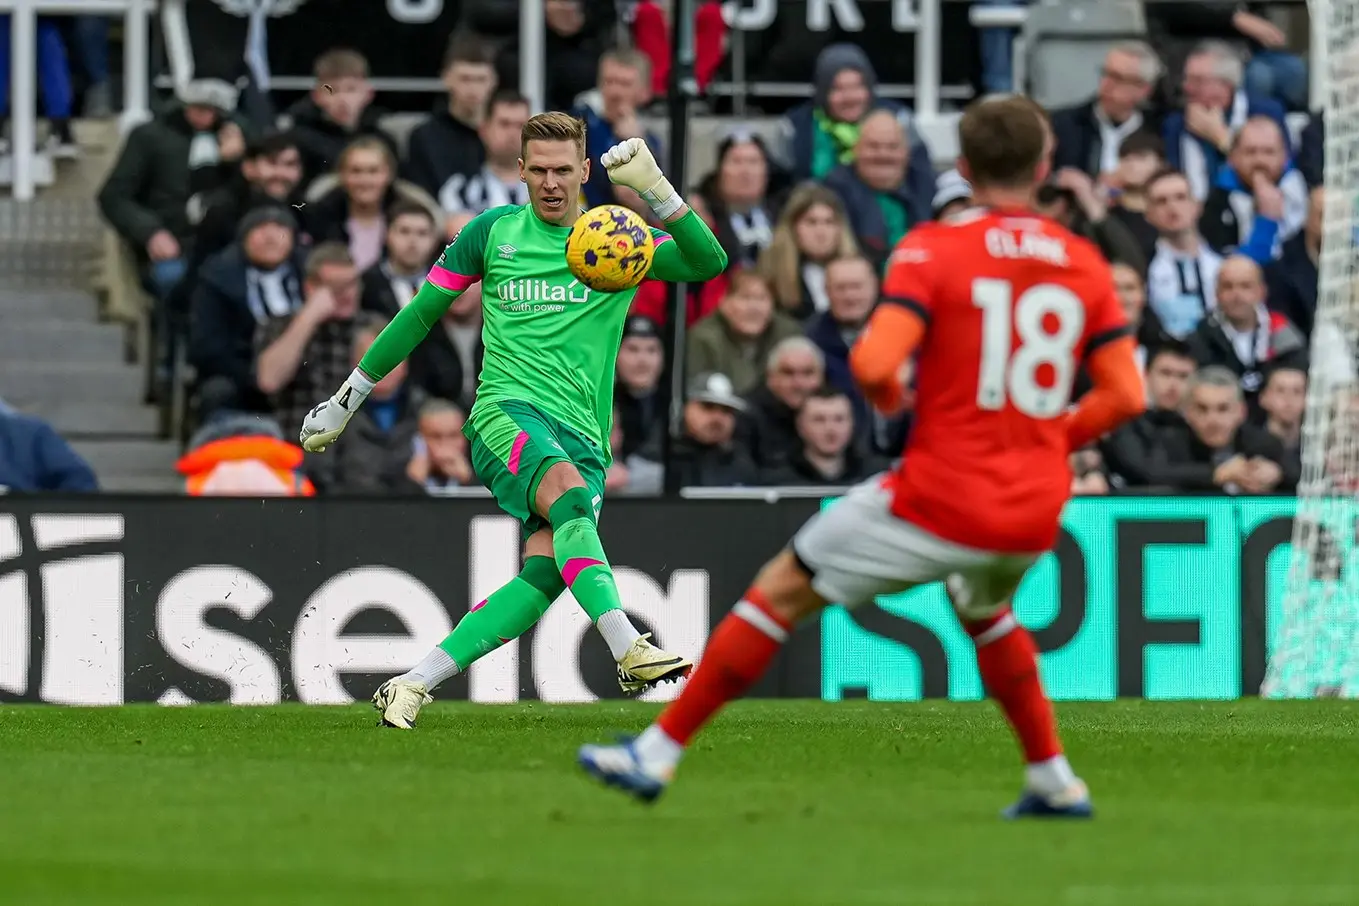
(66, 354)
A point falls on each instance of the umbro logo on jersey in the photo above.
(506, 251)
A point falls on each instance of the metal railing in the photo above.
(24, 67)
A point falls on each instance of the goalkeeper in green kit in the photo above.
(540, 427)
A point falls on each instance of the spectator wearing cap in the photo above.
(824, 452)
(735, 340)
(1089, 135)
(823, 133)
(623, 89)
(952, 194)
(338, 110)
(257, 277)
(852, 285)
(812, 231)
(189, 150)
(304, 356)
(708, 454)
(768, 427)
(641, 411)
(881, 202)
(270, 175)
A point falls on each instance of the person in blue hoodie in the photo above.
(34, 457)
(823, 133)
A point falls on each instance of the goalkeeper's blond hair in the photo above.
(553, 126)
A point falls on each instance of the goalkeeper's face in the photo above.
(554, 172)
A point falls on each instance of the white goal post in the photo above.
(1315, 651)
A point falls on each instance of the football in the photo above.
(610, 248)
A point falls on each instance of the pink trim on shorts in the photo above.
(517, 451)
(577, 565)
(444, 278)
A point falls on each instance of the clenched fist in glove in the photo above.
(324, 424)
(632, 165)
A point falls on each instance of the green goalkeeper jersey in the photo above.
(549, 340)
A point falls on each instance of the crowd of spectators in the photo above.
(276, 254)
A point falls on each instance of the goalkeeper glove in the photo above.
(632, 165)
(326, 422)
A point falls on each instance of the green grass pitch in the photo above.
(780, 803)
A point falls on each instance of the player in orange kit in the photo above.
(999, 307)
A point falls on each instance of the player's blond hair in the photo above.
(553, 126)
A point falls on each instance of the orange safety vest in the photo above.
(282, 460)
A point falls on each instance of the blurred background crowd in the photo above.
(276, 231)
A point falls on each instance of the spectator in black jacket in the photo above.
(408, 251)
(1073, 201)
(738, 199)
(447, 147)
(825, 452)
(1284, 401)
(1222, 450)
(1258, 201)
(497, 181)
(1292, 278)
(255, 278)
(707, 455)
(1141, 155)
(1089, 135)
(852, 286)
(1241, 334)
(188, 151)
(641, 359)
(768, 427)
(338, 110)
(271, 172)
(878, 196)
(572, 44)
(1133, 452)
(380, 440)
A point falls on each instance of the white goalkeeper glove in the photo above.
(632, 165)
(324, 424)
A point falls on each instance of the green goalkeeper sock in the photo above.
(585, 569)
(506, 614)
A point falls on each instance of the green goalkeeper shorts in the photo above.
(513, 445)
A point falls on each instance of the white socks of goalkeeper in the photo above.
(618, 632)
(433, 670)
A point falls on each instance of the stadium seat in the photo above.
(1065, 44)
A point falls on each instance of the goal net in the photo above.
(1316, 645)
